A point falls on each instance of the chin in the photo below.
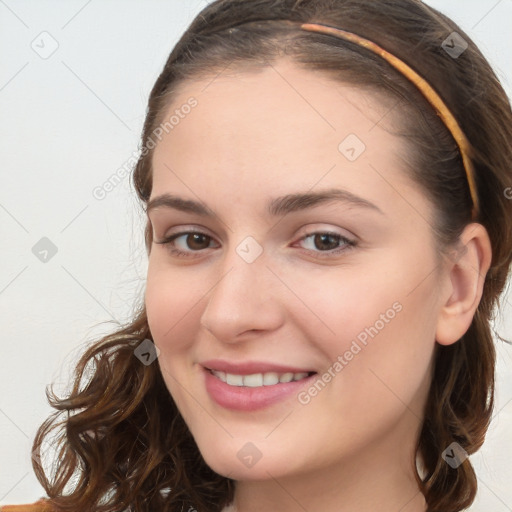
(246, 463)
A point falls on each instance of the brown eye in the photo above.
(187, 243)
(197, 241)
(326, 244)
(326, 241)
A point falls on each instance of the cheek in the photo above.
(354, 302)
(172, 301)
(376, 330)
(173, 317)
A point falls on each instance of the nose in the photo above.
(245, 300)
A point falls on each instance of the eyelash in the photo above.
(349, 244)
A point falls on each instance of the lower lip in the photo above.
(243, 398)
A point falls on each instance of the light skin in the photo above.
(253, 138)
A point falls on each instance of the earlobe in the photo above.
(466, 273)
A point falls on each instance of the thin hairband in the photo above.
(425, 88)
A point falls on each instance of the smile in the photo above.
(259, 379)
(250, 392)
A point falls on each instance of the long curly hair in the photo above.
(120, 442)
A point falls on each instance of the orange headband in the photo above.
(425, 88)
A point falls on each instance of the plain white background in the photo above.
(69, 121)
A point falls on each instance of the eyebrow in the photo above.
(277, 206)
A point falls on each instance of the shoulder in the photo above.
(43, 505)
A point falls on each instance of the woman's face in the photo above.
(299, 245)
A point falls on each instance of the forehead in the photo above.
(280, 127)
(275, 110)
(281, 95)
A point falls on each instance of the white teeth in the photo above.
(270, 378)
(234, 380)
(258, 379)
(253, 381)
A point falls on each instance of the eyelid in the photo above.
(308, 231)
(184, 229)
(321, 227)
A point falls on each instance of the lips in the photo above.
(251, 367)
(244, 398)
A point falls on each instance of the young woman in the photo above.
(329, 232)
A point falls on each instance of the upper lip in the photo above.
(250, 367)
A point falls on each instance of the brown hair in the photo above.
(122, 442)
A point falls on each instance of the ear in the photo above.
(466, 269)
